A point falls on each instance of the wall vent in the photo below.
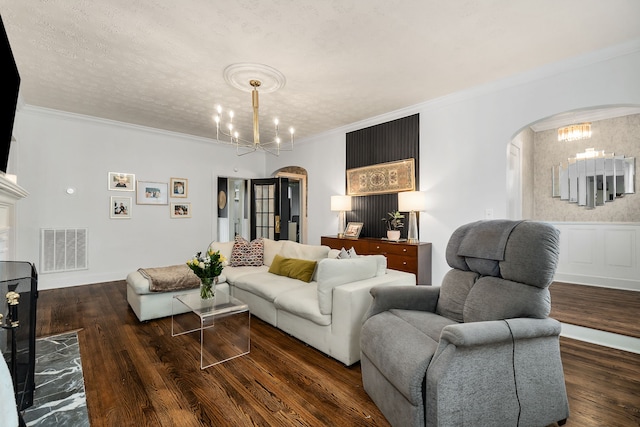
(63, 249)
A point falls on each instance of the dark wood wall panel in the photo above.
(387, 142)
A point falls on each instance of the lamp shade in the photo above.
(340, 203)
(412, 201)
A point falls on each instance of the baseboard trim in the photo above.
(607, 339)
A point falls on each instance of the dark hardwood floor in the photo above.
(606, 309)
(137, 374)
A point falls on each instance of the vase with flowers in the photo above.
(207, 267)
(394, 224)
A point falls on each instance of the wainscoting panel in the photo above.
(602, 254)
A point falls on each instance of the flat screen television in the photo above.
(9, 98)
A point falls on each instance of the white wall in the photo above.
(464, 139)
(56, 151)
(463, 166)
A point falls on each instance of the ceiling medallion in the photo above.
(237, 75)
(249, 77)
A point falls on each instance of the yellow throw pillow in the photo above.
(300, 269)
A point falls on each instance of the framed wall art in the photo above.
(391, 177)
(178, 187)
(152, 193)
(119, 181)
(180, 210)
(120, 207)
(353, 230)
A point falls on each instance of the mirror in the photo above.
(593, 178)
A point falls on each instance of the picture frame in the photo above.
(152, 193)
(382, 178)
(179, 187)
(121, 181)
(120, 207)
(353, 230)
(180, 210)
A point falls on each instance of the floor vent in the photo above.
(63, 249)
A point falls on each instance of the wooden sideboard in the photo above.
(411, 257)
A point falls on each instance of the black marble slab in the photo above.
(59, 398)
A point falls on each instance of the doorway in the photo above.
(233, 212)
(274, 207)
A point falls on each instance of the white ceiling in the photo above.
(159, 63)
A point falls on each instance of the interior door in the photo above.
(269, 204)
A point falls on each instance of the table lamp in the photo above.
(412, 202)
(341, 204)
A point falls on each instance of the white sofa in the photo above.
(325, 313)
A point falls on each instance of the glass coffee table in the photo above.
(224, 323)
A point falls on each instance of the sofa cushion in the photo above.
(492, 298)
(298, 250)
(301, 269)
(225, 248)
(233, 274)
(303, 302)
(381, 262)
(335, 272)
(267, 285)
(271, 248)
(454, 290)
(247, 253)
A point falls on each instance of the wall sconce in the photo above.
(574, 132)
(341, 204)
(412, 202)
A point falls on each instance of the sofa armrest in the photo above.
(351, 301)
(496, 331)
(420, 298)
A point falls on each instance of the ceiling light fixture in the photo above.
(246, 146)
(574, 132)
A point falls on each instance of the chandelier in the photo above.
(246, 146)
(574, 132)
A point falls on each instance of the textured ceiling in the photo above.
(160, 63)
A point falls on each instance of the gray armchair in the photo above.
(480, 350)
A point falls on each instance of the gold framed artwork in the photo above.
(391, 177)
(179, 187)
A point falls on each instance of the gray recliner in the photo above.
(480, 350)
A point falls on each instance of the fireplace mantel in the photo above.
(10, 193)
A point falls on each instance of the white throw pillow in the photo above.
(335, 272)
(344, 254)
